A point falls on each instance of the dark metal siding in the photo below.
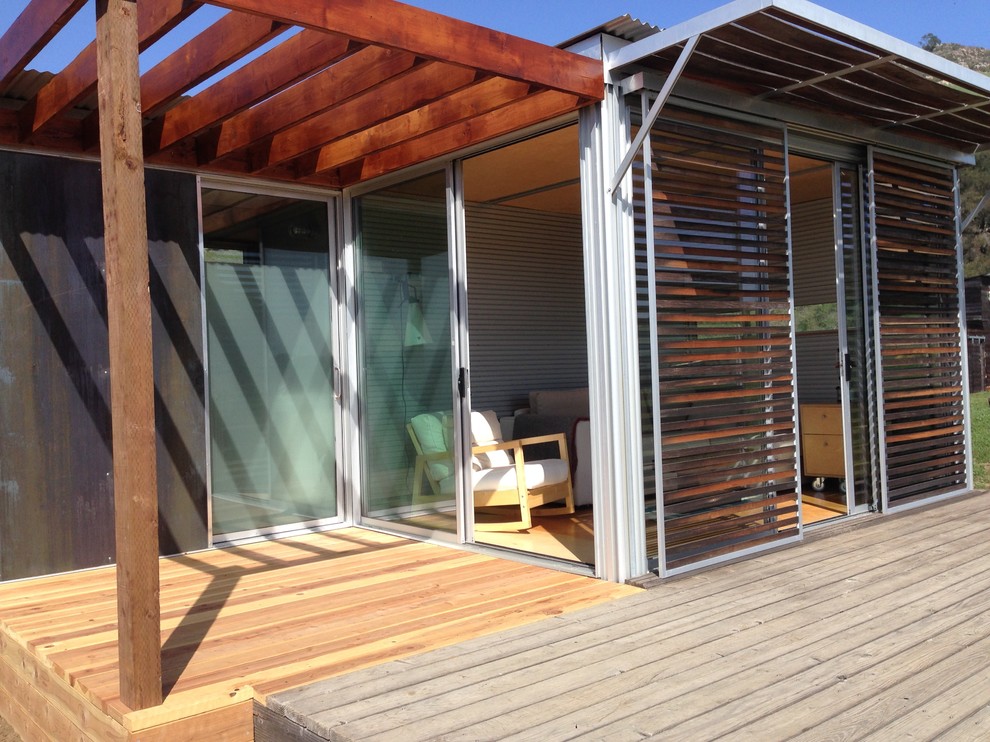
(56, 489)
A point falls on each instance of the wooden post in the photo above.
(131, 369)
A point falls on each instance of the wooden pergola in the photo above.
(363, 88)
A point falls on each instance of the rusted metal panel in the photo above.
(56, 489)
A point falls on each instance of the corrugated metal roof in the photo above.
(794, 53)
(27, 84)
(624, 27)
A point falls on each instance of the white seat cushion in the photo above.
(537, 473)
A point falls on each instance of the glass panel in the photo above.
(270, 361)
(529, 347)
(857, 333)
(406, 384)
(818, 338)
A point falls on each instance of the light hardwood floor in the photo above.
(878, 630)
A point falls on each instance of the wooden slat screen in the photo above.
(724, 346)
(920, 341)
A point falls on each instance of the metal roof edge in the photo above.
(803, 10)
(683, 31)
(624, 27)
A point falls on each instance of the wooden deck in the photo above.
(239, 624)
(876, 631)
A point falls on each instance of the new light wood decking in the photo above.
(878, 631)
(240, 623)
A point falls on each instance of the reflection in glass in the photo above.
(270, 361)
(405, 354)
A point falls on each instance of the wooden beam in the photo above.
(353, 75)
(78, 79)
(291, 61)
(132, 386)
(37, 24)
(222, 44)
(63, 135)
(434, 36)
(396, 96)
(219, 46)
(473, 101)
(532, 110)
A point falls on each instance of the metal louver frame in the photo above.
(716, 268)
(921, 362)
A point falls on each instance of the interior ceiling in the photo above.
(778, 56)
(542, 173)
(345, 99)
(810, 179)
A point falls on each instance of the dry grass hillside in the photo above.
(975, 57)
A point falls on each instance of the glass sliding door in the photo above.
(270, 362)
(833, 338)
(405, 355)
(855, 337)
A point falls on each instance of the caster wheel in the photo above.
(842, 486)
(818, 484)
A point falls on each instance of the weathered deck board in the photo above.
(871, 631)
(239, 623)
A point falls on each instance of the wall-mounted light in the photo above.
(298, 230)
(417, 333)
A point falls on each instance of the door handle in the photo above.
(336, 383)
(463, 380)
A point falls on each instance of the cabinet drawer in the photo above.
(824, 419)
(823, 455)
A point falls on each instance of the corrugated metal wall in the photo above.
(525, 305)
(813, 240)
(56, 489)
(816, 349)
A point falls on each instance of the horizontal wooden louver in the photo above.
(724, 366)
(920, 342)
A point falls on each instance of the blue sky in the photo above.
(552, 21)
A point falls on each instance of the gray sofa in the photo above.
(559, 411)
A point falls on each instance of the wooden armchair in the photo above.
(500, 474)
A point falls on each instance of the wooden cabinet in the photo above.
(823, 451)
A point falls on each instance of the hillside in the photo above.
(975, 181)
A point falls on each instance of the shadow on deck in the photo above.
(879, 629)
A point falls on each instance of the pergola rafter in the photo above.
(31, 32)
(79, 79)
(359, 77)
(289, 63)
